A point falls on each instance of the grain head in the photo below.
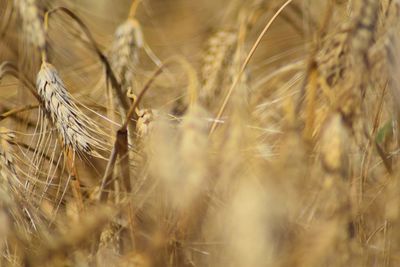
(124, 54)
(76, 131)
(31, 23)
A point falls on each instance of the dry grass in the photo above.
(199, 133)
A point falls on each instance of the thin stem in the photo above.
(121, 136)
(16, 111)
(246, 62)
(133, 9)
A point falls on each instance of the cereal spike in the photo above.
(145, 121)
(331, 58)
(334, 145)
(31, 23)
(220, 49)
(364, 28)
(69, 121)
(124, 52)
(8, 170)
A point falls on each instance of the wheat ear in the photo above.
(11, 187)
(364, 29)
(31, 23)
(124, 52)
(218, 54)
(8, 170)
(76, 130)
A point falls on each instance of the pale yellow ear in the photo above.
(76, 131)
(32, 26)
(141, 43)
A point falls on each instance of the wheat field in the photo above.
(200, 133)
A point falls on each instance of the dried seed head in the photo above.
(15, 208)
(364, 27)
(331, 58)
(109, 237)
(334, 145)
(76, 130)
(219, 53)
(8, 174)
(144, 122)
(31, 23)
(124, 52)
(6, 159)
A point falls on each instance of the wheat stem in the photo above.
(133, 8)
(243, 67)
